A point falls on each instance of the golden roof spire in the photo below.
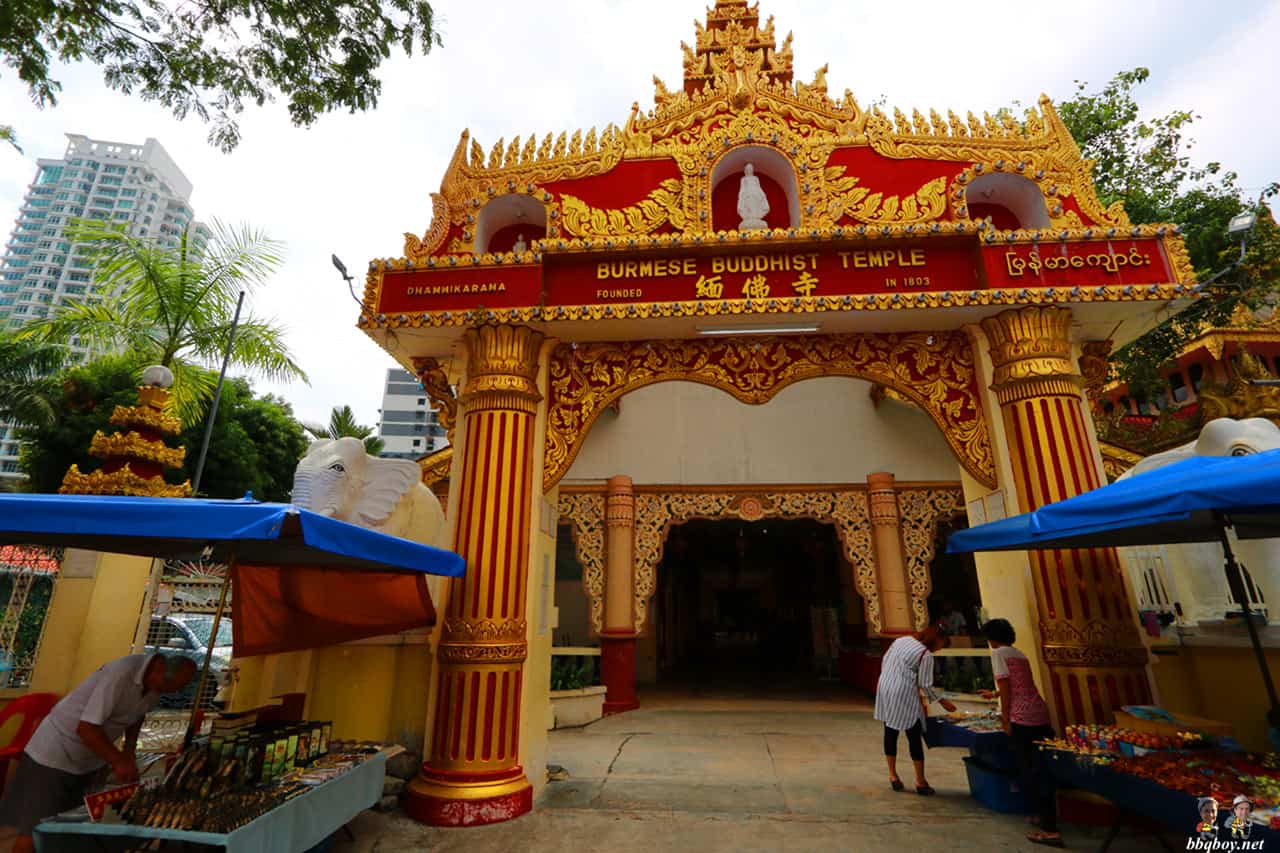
(733, 48)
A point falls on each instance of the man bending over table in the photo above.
(79, 737)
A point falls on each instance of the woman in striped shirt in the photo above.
(906, 678)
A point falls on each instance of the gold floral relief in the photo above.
(847, 199)
(436, 466)
(919, 512)
(663, 205)
(584, 512)
(933, 370)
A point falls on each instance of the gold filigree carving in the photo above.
(436, 466)
(1240, 398)
(461, 630)
(1096, 643)
(847, 199)
(1039, 147)
(131, 445)
(1031, 353)
(463, 654)
(420, 250)
(502, 368)
(435, 381)
(920, 511)
(585, 512)
(1095, 367)
(121, 482)
(145, 416)
(934, 371)
(1116, 460)
(662, 206)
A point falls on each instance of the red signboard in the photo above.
(761, 272)
(448, 288)
(1114, 262)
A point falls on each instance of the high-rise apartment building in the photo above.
(408, 427)
(136, 185)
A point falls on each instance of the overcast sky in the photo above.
(351, 185)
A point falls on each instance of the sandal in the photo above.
(1048, 839)
(925, 790)
(897, 785)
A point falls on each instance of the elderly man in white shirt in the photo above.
(79, 738)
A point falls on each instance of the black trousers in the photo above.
(1035, 779)
(915, 741)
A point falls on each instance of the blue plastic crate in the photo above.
(996, 789)
(995, 750)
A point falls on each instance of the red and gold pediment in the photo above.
(833, 161)
(894, 209)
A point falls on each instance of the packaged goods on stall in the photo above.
(223, 783)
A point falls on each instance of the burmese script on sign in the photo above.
(1112, 263)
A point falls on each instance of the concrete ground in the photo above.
(740, 773)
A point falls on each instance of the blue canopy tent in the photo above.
(299, 576)
(1196, 500)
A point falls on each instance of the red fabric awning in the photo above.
(276, 610)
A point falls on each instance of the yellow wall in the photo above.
(540, 611)
(91, 620)
(1220, 684)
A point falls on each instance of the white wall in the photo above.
(817, 431)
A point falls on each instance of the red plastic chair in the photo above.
(32, 708)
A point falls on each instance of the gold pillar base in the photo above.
(468, 799)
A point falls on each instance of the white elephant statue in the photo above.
(339, 480)
(1196, 571)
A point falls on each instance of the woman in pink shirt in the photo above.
(1026, 720)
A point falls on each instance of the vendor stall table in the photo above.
(1140, 798)
(295, 826)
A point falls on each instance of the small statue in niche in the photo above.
(753, 206)
(521, 246)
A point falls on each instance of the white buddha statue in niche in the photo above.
(753, 206)
(521, 246)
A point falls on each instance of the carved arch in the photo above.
(935, 371)
(921, 509)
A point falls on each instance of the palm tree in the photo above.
(27, 380)
(342, 424)
(173, 306)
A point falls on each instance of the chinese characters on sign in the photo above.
(760, 276)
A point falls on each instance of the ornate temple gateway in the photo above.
(757, 301)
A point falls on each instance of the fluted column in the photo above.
(473, 775)
(891, 566)
(618, 639)
(1088, 630)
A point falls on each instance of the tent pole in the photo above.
(197, 712)
(1235, 580)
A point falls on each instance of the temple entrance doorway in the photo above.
(755, 608)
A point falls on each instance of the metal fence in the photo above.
(184, 598)
(27, 578)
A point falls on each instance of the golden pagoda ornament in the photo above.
(135, 456)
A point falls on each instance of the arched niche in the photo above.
(1011, 201)
(504, 219)
(777, 179)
